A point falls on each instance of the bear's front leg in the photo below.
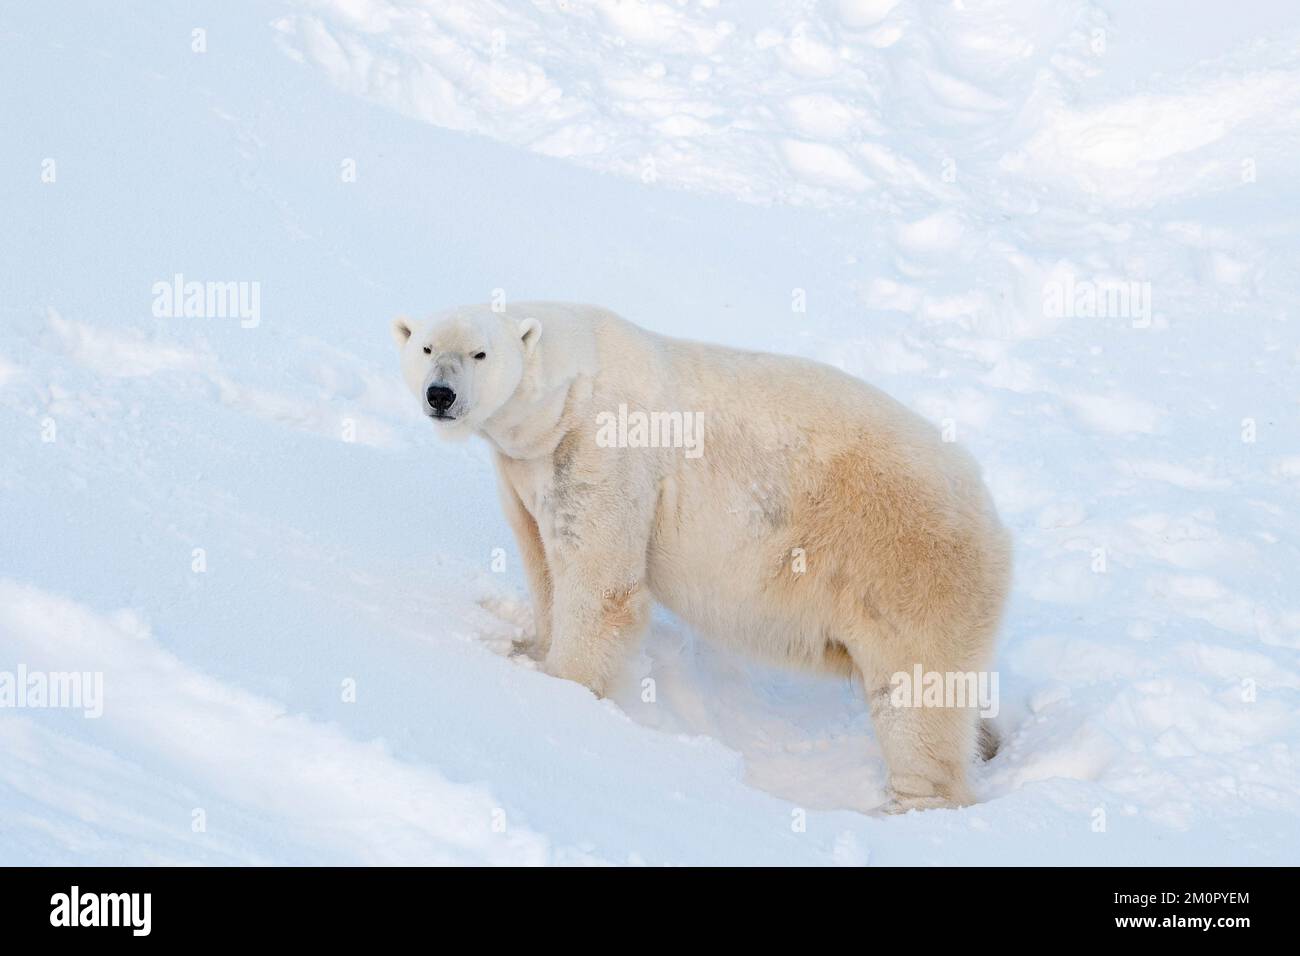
(533, 554)
(601, 611)
(596, 541)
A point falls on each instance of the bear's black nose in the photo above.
(440, 397)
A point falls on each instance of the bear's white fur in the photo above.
(818, 522)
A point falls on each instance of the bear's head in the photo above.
(465, 366)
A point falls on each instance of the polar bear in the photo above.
(774, 503)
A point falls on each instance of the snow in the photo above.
(337, 683)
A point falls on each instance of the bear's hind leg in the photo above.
(927, 748)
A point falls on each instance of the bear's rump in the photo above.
(795, 558)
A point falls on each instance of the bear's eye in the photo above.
(427, 350)
(480, 355)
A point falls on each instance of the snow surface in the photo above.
(921, 174)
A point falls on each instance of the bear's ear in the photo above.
(530, 330)
(401, 330)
